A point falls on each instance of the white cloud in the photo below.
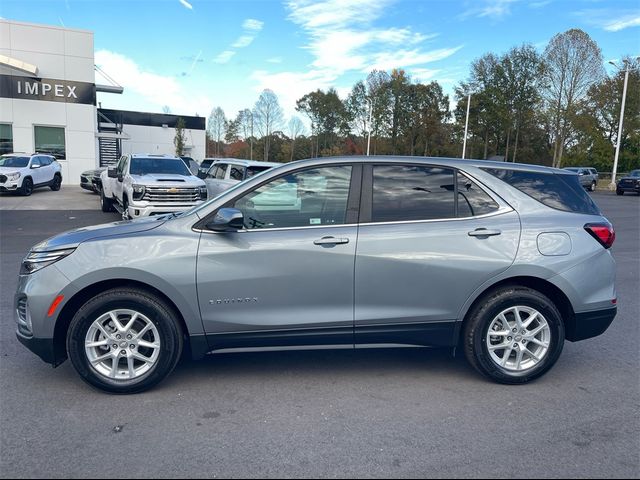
(540, 4)
(618, 24)
(493, 9)
(252, 24)
(186, 4)
(422, 75)
(147, 90)
(243, 41)
(408, 58)
(274, 60)
(224, 57)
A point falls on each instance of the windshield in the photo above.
(171, 166)
(635, 173)
(572, 169)
(14, 162)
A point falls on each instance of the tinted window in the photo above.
(635, 173)
(206, 164)
(312, 197)
(251, 171)
(14, 162)
(171, 166)
(405, 192)
(221, 171)
(35, 161)
(237, 172)
(559, 191)
(45, 160)
(472, 200)
(212, 172)
(50, 140)
(6, 138)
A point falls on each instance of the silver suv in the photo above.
(224, 174)
(588, 176)
(495, 258)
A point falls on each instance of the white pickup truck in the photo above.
(142, 185)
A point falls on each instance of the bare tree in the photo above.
(296, 128)
(267, 115)
(216, 127)
(245, 120)
(573, 62)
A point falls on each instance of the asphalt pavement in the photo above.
(342, 413)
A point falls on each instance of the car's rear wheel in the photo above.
(57, 182)
(124, 340)
(106, 204)
(514, 335)
(27, 187)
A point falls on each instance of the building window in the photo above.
(51, 140)
(6, 138)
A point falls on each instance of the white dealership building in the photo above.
(48, 104)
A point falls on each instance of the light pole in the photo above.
(370, 117)
(466, 127)
(612, 185)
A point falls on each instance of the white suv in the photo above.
(22, 172)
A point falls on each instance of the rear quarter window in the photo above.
(558, 191)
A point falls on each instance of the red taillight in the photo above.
(603, 232)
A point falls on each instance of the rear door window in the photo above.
(221, 171)
(410, 192)
(472, 200)
(558, 191)
(237, 172)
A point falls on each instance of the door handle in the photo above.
(483, 232)
(330, 241)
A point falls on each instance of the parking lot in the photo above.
(398, 412)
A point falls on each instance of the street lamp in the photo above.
(370, 119)
(612, 185)
(466, 127)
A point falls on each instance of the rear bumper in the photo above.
(589, 324)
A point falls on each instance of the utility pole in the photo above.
(466, 128)
(370, 118)
(251, 142)
(612, 185)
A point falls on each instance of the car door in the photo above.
(37, 170)
(429, 237)
(287, 277)
(217, 184)
(121, 170)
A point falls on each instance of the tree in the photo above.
(245, 122)
(267, 115)
(296, 128)
(573, 62)
(179, 139)
(327, 114)
(216, 127)
(232, 131)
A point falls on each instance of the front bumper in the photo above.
(628, 188)
(589, 324)
(158, 209)
(10, 186)
(42, 347)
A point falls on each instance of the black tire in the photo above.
(27, 187)
(106, 204)
(56, 183)
(480, 318)
(619, 192)
(161, 315)
(125, 208)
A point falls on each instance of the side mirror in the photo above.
(227, 220)
(112, 172)
(36, 166)
(120, 177)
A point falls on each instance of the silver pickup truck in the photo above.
(143, 185)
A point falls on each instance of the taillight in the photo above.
(603, 232)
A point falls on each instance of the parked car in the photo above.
(630, 183)
(588, 176)
(90, 179)
(495, 258)
(142, 184)
(191, 164)
(22, 172)
(224, 174)
(205, 165)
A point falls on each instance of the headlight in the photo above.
(138, 191)
(13, 176)
(203, 192)
(38, 260)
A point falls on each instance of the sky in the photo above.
(195, 55)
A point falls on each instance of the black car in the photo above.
(90, 180)
(191, 164)
(630, 183)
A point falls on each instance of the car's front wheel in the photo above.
(619, 192)
(27, 187)
(124, 340)
(514, 335)
(57, 182)
(106, 204)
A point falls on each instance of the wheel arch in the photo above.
(551, 291)
(79, 298)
